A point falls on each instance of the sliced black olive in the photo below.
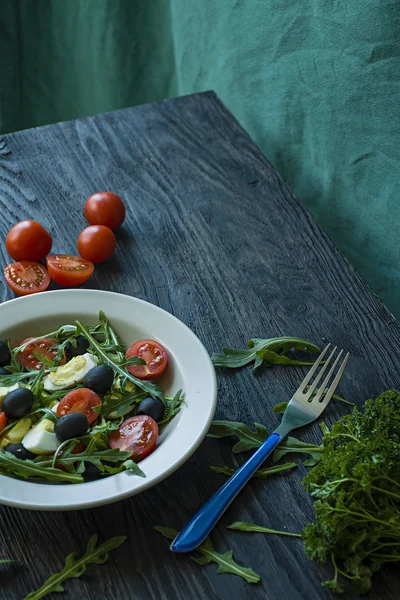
(5, 354)
(18, 403)
(4, 371)
(72, 425)
(82, 346)
(20, 451)
(152, 407)
(99, 379)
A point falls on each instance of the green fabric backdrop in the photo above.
(316, 83)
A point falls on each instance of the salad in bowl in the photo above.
(98, 389)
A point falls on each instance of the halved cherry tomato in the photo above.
(28, 240)
(105, 208)
(26, 277)
(81, 400)
(96, 243)
(69, 270)
(44, 347)
(153, 353)
(3, 420)
(137, 435)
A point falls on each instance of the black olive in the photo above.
(99, 379)
(20, 451)
(18, 403)
(5, 354)
(72, 425)
(4, 371)
(152, 407)
(82, 346)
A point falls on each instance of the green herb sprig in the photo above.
(260, 473)
(253, 528)
(76, 567)
(272, 351)
(225, 562)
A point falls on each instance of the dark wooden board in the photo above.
(214, 236)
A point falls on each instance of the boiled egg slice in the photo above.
(41, 439)
(71, 373)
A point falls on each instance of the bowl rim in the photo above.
(200, 380)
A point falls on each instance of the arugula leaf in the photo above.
(27, 469)
(133, 360)
(46, 362)
(5, 561)
(252, 527)
(248, 439)
(270, 351)
(76, 567)
(225, 562)
(261, 473)
(173, 406)
(103, 351)
(128, 465)
(120, 403)
(292, 444)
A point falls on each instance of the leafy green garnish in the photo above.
(106, 352)
(46, 362)
(5, 561)
(121, 403)
(225, 562)
(27, 469)
(356, 487)
(261, 473)
(248, 439)
(293, 445)
(76, 567)
(268, 351)
(252, 527)
(173, 406)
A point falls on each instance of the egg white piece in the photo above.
(71, 373)
(5, 390)
(41, 439)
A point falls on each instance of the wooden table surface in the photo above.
(215, 237)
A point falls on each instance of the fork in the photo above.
(302, 409)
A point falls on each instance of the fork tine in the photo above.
(313, 369)
(335, 382)
(314, 384)
(322, 387)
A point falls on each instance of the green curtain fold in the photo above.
(316, 84)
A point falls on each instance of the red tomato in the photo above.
(137, 435)
(3, 420)
(81, 400)
(44, 346)
(26, 277)
(96, 243)
(69, 270)
(155, 356)
(105, 208)
(28, 240)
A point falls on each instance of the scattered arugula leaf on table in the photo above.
(5, 561)
(225, 562)
(252, 527)
(268, 351)
(261, 473)
(249, 439)
(76, 567)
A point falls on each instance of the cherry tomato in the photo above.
(44, 346)
(137, 435)
(26, 277)
(3, 420)
(96, 243)
(69, 270)
(105, 208)
(28, 240)
(81, 400)
(155, 356)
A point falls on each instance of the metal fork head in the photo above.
(309, 401)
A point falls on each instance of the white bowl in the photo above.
(190, 368)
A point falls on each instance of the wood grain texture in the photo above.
(214, 236)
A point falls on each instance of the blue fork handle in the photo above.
(205, 519)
